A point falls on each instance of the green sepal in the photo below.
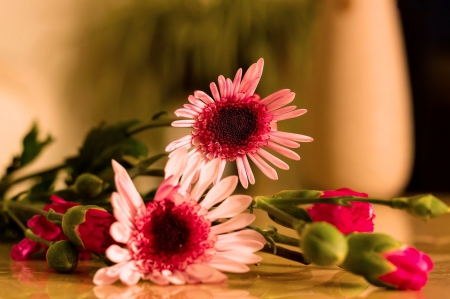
(423, 206)
(364, 255)
(74, 217)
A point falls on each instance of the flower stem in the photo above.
(286, 253)
(28, 232)
(276, 237)
(342, 200)
(51, 215)
(261, 202)
(30, 176)
(153, 124)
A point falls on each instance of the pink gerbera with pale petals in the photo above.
(236, 124)
(172, 239)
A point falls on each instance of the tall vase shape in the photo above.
(359, 106)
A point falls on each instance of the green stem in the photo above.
(30, 176)
(51, 215)
(154, 124)
(28, 232)
(276, 237)
(286, 253)
(260, 202)
(343, 200)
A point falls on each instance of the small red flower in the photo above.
(88, 227)
(44, 229)
(357, 218)
(411, 268)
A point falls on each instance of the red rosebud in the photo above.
(44, 229)
(411, 268)
(88, 227)
(357, 218)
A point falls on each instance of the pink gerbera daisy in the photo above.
(236, 124)
(172, 239)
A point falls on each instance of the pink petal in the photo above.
(284, 142)
(175, 144)
(196, 102)
(272, 159)
(183, 112)
(121, 211)
(214, 91)
(176, 164)
(207, 175)
(230, 207)
(159, 279)
(251, 177)
(286, 99)
(126, 188)
(283, 151)
(190, 171)
(241, 245)
(229, 88)
(203, 96)
(174, 277)
(292, 114)
(244, 257)
(130, 276)
(265, 168)
(283, 110)
(275, 96)
(237, 222)
(220, 191)
(102, 278)
(252, 77)
(117, 254)
(184, 123)
(242, 235)
(227, 265)
(223, 163)
(237, 81)
(120, 232)
(241, 171)
(291, 136)
(222, 86)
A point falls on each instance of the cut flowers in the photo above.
(193, 228)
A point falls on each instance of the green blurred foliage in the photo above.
(162, 50)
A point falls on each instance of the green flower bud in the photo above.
(423, 206)
(62, 256)
(88, 185)
(364, 257)
(323, 244)
(299, 194)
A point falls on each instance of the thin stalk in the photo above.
(28, 232)
(50, 215)
(330, 200)
(261, 203)
(286, 253)
(33, 175)
(154, 124)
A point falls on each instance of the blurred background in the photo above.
(374, 75)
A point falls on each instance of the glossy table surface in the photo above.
(273, 278)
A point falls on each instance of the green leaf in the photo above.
(104, 143)
(142, 166)
(32, 146)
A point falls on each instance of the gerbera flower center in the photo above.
(232, 128)
(170, 236)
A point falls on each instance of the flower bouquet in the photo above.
(192, 228)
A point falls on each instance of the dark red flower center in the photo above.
(170, 236)
(231, 128)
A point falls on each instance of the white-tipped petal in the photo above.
(242, 245)
(220, 191)
(285, 142)
(270, 172)
(176, 164)
(246, 234)
(230, 207)
(291, 136)
(117, 254)
(286, 99)
(272, 159)
(283, 151)
(207, 175)
(203, 96)
(275, 96)
(227, 265)
(184, 123)
(126, 189)
(248, 170)
(241, 256)
(130, 276)
(242, 173)
(235, 223)
(120, 232)
(214, 91)
(102, 278)
(288, 115)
